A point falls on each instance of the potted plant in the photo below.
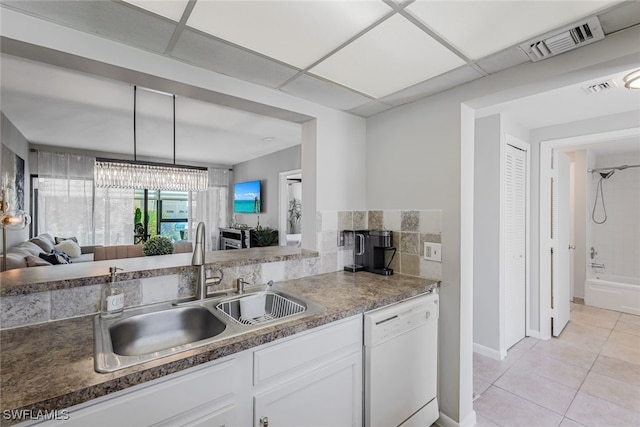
(264, 237)
(157, 245)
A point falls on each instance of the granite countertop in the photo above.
(50, 366)
(23, 281)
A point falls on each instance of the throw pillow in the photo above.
(34, 261)
(56, 257)
(70, 247)
(61, 239)
(44, 243)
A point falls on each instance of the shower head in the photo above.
(607, 175)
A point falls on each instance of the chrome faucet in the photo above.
(198, 260)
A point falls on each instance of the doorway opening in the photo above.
(556, 294)
(290, 217)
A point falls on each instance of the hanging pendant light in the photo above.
(149, 175)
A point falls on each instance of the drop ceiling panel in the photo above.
(392, 56)
(325, 93)
(295, 32)
(116, 21)
(169, 9)
(207, 52)
(435, 85)
(480, 28)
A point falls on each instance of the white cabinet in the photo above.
(182, 399)
(313, 378)
(330, 396)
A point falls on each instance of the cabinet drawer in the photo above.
(317, 346)
(160, 401)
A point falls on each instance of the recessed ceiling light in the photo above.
(269, 139)
(632, 80)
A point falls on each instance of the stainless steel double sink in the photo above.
(154, 331)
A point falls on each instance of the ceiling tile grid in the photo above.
(295, 32)
(339, 53)
(210, 53)
(390, 57)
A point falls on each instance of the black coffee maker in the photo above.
(379, 252)
(373, 251)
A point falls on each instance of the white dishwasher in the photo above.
(401, 363)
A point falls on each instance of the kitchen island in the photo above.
(50, 366)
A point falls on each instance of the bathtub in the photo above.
(613, 292)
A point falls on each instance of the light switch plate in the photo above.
(432, 251)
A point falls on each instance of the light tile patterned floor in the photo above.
(589, 376)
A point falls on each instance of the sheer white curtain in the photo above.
(69, 204)
(212, 206)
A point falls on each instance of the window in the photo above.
(164, 213)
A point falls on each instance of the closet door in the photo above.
(515, 206)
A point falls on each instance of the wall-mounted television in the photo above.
(246, 197)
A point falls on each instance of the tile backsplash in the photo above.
(39, 307)
(411, 229)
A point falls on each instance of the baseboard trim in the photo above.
(489, 352)
(445, 421)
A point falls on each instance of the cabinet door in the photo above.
(224, 417)
(329, 396)
(161, 401)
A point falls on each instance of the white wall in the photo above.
(486, 234)
(16, 142)
(267, 169)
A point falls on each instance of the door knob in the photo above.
(264, 422)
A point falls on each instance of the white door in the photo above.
(560, 233)
(515, 243)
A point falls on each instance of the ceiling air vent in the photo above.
(599, 87)
(566, 39)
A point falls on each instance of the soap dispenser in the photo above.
(113, 296)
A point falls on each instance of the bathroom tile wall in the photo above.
(411, 229)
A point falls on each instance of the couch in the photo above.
(134, 251)
(27, 254)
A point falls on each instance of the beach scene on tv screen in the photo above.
(247, 197)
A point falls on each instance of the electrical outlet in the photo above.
(432, 251)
